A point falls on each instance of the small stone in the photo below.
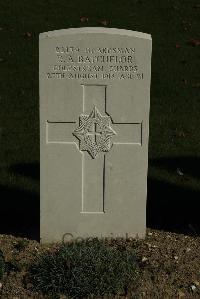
(143, 293)
(29, 285)
(181, 294)
(104, 22)
(84, 19)
(193, 287)
(196, 282)
(28, 34)
(144, 259)
(150, 234)
(188, 249)
(176, 257)
(184, 81)
(148, 244)
(194, 42)
(179, 171)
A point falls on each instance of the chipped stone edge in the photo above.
(87, 30)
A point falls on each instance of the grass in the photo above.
(175, 108)
(83, 269)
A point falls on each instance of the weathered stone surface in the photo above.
(94, 116)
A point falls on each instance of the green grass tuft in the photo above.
(88, 268)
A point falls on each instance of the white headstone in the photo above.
(94, 127)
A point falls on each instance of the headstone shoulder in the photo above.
(95, 30)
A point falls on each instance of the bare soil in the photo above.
(169, 266)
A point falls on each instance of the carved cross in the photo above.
(97, 132)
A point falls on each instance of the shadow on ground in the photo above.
(188, 165)
(31, 170)
(20, 209)
(170, 207)
(20, 213)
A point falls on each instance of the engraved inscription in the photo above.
(100, 63)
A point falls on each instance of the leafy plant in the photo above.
(82, 269)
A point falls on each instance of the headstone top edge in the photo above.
(97, 30)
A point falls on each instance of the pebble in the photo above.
(196, 282)
(143, 293)
(179, 172)
(144, 259)
(181, 294)
(176, 257)
(193, 288)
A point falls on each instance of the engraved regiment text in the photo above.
(73, 62)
